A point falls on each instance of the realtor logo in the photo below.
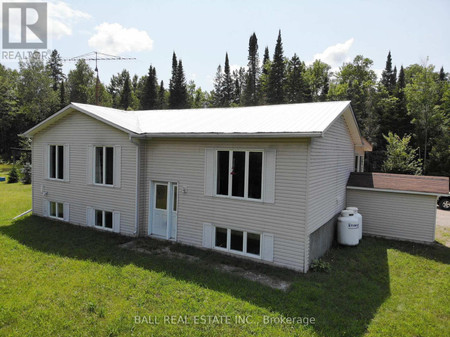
(24, 25)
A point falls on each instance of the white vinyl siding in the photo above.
(395, 215)
(184, 161)
(81, 132)
(331, 161)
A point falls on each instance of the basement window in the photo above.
(239, 242)
(239, 174)
(56, 210)
(103, 219)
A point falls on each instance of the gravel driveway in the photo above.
(443, 227)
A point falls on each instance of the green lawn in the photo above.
(63, 280)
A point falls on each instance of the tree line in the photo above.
(407, 109)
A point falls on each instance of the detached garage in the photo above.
(395, 205)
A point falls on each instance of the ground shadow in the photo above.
(342, 301)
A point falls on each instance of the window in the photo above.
(239, 242)
(359, 163)
(221, 237)
(239, 174)
(56, 165)
(56, 210)
(175, 195)
(103, 219)
(161, 197)
(104, 165)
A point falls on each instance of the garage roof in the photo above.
(399, 182)
(286, 120)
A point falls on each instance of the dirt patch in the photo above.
(254, 276)
(134, 246)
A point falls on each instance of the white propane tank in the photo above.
(359, 217)
(348, 229)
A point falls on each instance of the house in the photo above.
(397, 206)
(265, 183)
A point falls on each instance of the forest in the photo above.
(404, 114)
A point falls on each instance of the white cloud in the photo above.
(61, 19)
(335, 55)
(113, 38)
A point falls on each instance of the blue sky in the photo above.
(200, 32)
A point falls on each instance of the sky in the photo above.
(201, 32)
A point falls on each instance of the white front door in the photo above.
(163, 219)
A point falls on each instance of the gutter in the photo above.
(234, 135)
(138, 164)
(391, 191)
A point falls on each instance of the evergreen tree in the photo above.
(266, 59)
(218, 87)
(294, 82)
(54, 66)
(388, 77)
(227, 84)
(125, 95)
(172, 92)
(275, 88)
(62, 95)
(403, 124)
(178, 98)
(162, 104)
(442, 75)
(251, 89)
(150, 95)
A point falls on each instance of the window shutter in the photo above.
(117, 165)
(267, 247)
(45, 207)
(66, 211)
(90, 165)
(45, 156)
(66, 163)
(209, 171)
(89, 216)
(208, 233)
(116, 222)
(269, 176)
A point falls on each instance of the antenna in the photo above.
(97, 56)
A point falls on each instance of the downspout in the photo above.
(138, 164)
(306, 239)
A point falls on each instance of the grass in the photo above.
(4, 169)
(58, 279)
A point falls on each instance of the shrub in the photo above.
(320, 265)
(13, 176)
(26, 173)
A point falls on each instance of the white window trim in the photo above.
(104, 184)
(246, 175)
(244, 248)
(57, 205)
(103, 220)
(56, 162)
